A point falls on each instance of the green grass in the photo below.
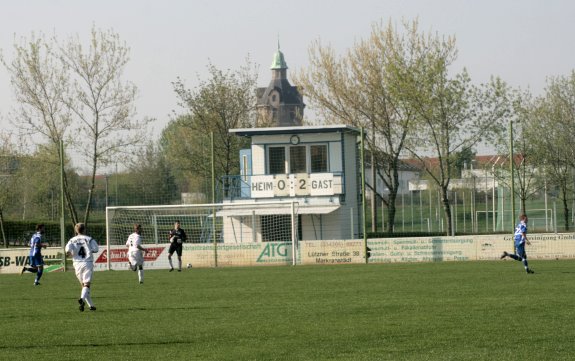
(426, 311)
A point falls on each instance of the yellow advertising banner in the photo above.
(13, 259)
(331, 252)
(384, 250)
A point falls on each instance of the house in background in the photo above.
(407, 174)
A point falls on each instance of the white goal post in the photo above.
(217, 224)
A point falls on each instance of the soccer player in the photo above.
(36, 259)
(136, 252)
(177, 237)
(81, 248)
(520, 241)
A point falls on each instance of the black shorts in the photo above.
(175, 247)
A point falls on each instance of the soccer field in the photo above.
(424, 311)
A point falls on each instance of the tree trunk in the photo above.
(92, 185)
(391, 210)
(393, 190)
(67, 196)
(69, 203)
(523, 204)
(373, 194)
(2, 228)
(447, 210)
(565, 208)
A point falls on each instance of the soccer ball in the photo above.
(189, 265)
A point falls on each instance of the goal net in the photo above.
(215, 225)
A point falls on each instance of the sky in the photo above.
(521, 41)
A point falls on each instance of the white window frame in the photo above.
(287, 160)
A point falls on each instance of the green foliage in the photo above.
(461, 159)
(426, 311)
(18, 233)
(187, 152)
(453, 115)
(365, 88)
(75, 93)
(150, 179)
(550, 133)
(226, 100)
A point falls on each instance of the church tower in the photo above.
(280, 104)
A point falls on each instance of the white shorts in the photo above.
(136, 258)
(84, 271)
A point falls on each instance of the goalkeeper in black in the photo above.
(177, 237)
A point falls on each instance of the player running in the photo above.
(177, 237)
(520, 241)
(81, 248)
(136, 252)
(36, 259)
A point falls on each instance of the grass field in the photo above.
(426, 311)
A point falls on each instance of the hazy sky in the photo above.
(522, 41)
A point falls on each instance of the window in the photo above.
(318, 156)
(297, 159)
(277, 157)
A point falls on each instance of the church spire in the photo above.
(279, 62)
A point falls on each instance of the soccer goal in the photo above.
(215, 224)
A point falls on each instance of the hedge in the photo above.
(18, 233)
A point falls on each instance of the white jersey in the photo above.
(134, 240)
(82, 248)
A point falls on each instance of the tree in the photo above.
(187, 152)
(101, 102)
(225, 101)
(151, 179)
(551, 133)
(363, 88)
(68, 92)
(461, 159)
(40, 81)
(526, 163)
(453, 115)
(8, 182)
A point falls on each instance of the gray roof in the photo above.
(289, 94)
(248, 132)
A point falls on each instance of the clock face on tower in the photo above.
(294, 140)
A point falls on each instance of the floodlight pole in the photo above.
(62, 205)
(108, 265)
(512, 170)
(214, 200)
(293, 234)
(363, 206)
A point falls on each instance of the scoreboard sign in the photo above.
(294, 185)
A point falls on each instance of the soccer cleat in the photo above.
(23, 270)
(92, 308)
(141, 282)
(36, 283)
(171, 270)
(530, 271)
(81, 302)
(505, 254)
(179, 270)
